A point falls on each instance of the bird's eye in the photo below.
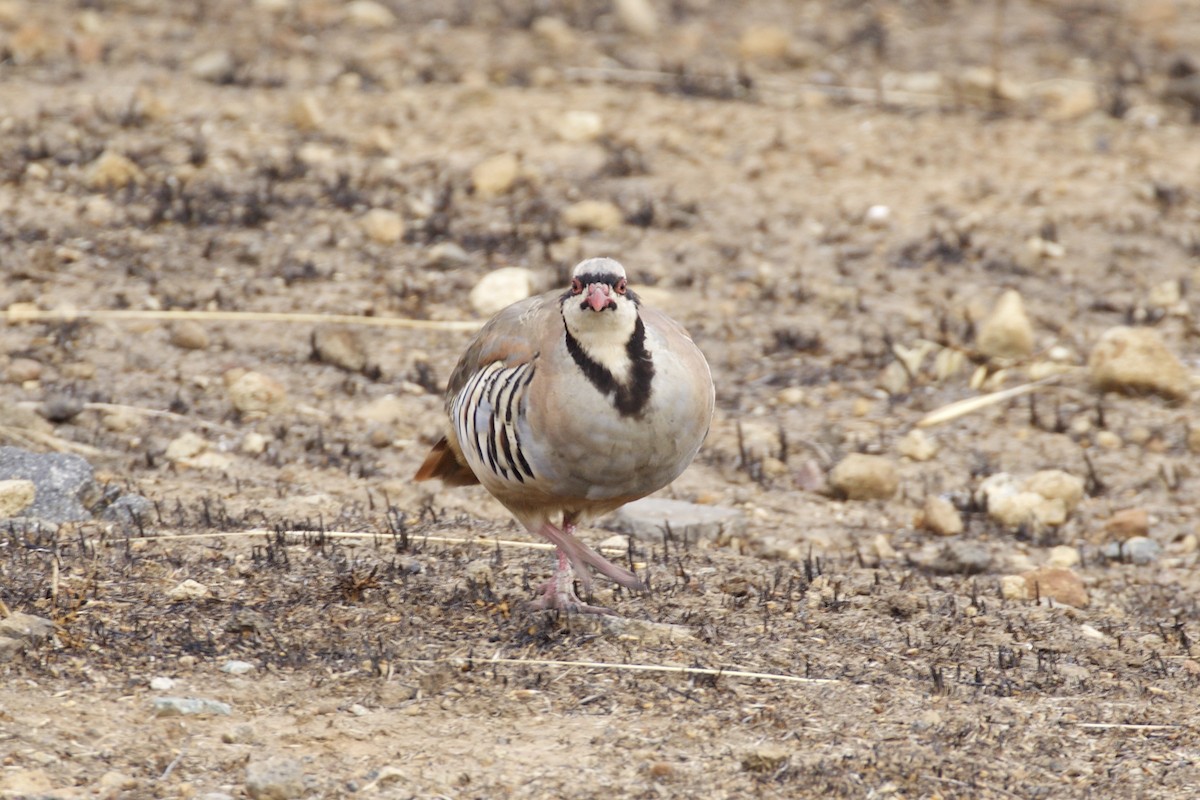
(621, 286)
(576, 286)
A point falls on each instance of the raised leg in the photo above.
(576, 559)
(559, 592)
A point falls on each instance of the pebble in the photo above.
(595, 215)
(877, 216)
(580, 126)
(20, 631)
(637, 17)
(369, 14)
(254, 444)
(648, 518)
(1139, 550)
(1093, 633)
(59, 408)
(1137, 361)
(1064, 556)
(254, 394)
(64, 483)
(215, 66)
(188, 335)
(274, 779)
(189, 707)
(1128, 523)
(1055, 484)
(1027, 508)
(386, 410)
(1007, 331)
(865, 477)
(235, 667)
(161, 683)
(127, 508)
(16, 496)
(339, 347)
(1057, 583)
(941, 517)
(501, 288)
(188, 590)
(496, 175)
(185, 446)
(447, 255)
(764, 43)
(382, 225)
(917, 445)
(112, 170)
(883, 548)
(23, 370)
(555, 32)
(961, 558)
(306, 114)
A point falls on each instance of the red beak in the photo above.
(597, 296)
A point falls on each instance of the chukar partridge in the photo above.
(571, 404)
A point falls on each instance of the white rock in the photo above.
(1063, 556)
(369, 14)
(235, 667)
(1027, 508)
(186, 445)
(1056, 484)
(161, 683)
(865, 477)
(917, 445)
(254, 394)
(500, 289)
(215, 66)
(1007, 331)
(188, 590)
(580, 126)
(941, 517)
(598, 215)
(382, 225)
(648, 519)
(1136, 361)
(638, 17)
(878, 216)
(496, 175)
(254, 443)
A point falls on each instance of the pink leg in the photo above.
(574, 559)
(559, 592)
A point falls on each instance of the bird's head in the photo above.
(599, 298)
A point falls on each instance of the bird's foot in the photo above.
(558, 593)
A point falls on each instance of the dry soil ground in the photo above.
(224, 155)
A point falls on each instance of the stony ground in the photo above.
(833, 197)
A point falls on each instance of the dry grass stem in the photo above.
(24, 313)
(970, 405)
(721, 673)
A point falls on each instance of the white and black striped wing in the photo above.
(487, 412)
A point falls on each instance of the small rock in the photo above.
(185, 446)
(215, 66)
(60, 408)
(188, 590)
(112, 171)
(941, 517)
(382, 225)
(127, 508)
(638, 17)
(447, 255)
(254, 394)
(1007, 331)
(1055, 484)
(64, 483)
(189, 335)
(254, 444)
(961, 558)
(501, 288)
(15, 497)
(1093, 633)
(767, 758)
(917, 445)
(1057, 583)
(877, 216)
(496, 175)
(764, 43)
(1066, 100)
(235, 667)
(1014, 587)
(189, 707)
(23, 370)
(161, 683)
(883, 548)
(1064, 556)
(1136, 361)
(274, 779)
(556, 33)
(1123, 525)
(113, 784)
(339, 347)
(1029, 509)
(595, 215)
(1140, 550)
(26, 628)
(580, 126)
(865, 477)
(369, 14)
(306, 114)
(648, 519)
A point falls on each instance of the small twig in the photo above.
(721, 673)
(970, 405)
(174, 763)
(1119, 726)
(27, 436)
(154, 412)
(26, 313)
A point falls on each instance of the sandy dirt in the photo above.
(813, 189)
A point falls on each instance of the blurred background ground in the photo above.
(833, 197)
